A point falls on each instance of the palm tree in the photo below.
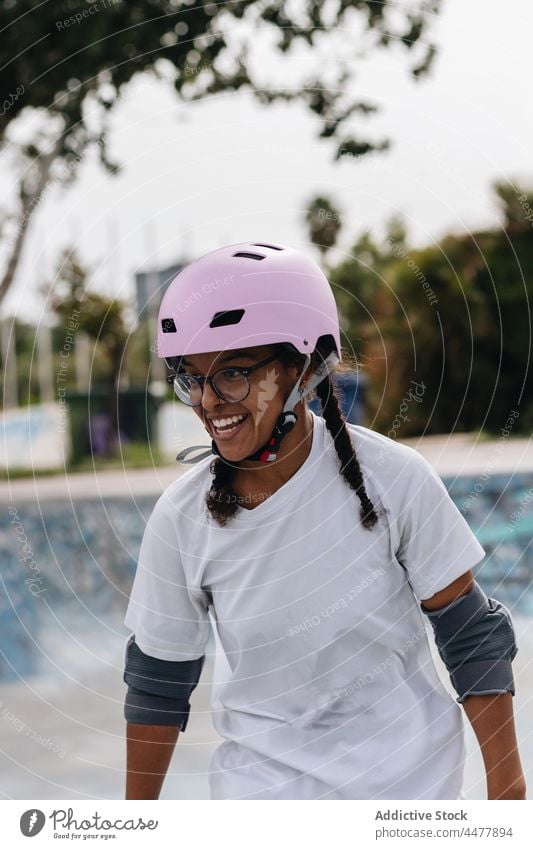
(324, 222)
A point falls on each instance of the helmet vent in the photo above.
(248, 255)
(168, 325)
(262, 245)
(221, 319)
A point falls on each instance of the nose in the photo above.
(210, 399)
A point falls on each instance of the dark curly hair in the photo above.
(223, 503)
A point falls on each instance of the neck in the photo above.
(292, 454)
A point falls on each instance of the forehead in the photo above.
(216, 359)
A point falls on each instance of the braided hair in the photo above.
(350, 468)
(222, 502)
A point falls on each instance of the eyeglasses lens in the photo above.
(230, 384)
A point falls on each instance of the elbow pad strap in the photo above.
(475, 638)
(147, 709)
(158, 690)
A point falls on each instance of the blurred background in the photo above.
(390, 142)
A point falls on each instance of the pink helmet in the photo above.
(245, 295)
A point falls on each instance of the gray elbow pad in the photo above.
(158, 690)
(475, 638)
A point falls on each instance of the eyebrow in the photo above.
(240, 353)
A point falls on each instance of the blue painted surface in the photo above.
(499, 509)
(84, 555)
(350, 388)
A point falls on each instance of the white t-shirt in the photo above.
(331, 690)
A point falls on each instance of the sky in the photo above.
(225, 170)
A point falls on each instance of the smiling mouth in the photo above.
(228, 430)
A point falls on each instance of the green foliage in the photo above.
(324, 222)
(99, 317)
(136, 355)
(73, 50)
(114, 349)
(65, 65)
(455, 316)
(132, 455)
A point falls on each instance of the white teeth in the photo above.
(225, 422)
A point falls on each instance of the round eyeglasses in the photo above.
(230, 384)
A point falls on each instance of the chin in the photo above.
(237, 453)
(234, 454)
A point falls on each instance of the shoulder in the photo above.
(392, 467)
(184, 498)
(380, 453)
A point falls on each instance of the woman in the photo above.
(321, 548)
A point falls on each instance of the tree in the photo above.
(75, 61)
(366, 308)
(517, 207)
(455, 317)
(100, 318)
(324, 222)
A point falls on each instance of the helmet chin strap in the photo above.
(286, 420)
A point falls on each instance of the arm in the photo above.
(491, 716)
(149, 751)
(156, 709)
(492, 719)
(168, 622)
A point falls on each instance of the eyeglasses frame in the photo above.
(201, 380)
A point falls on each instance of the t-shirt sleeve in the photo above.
(168, 617)
(435, 542)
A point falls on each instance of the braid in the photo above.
(221, 501)
(350, 468)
